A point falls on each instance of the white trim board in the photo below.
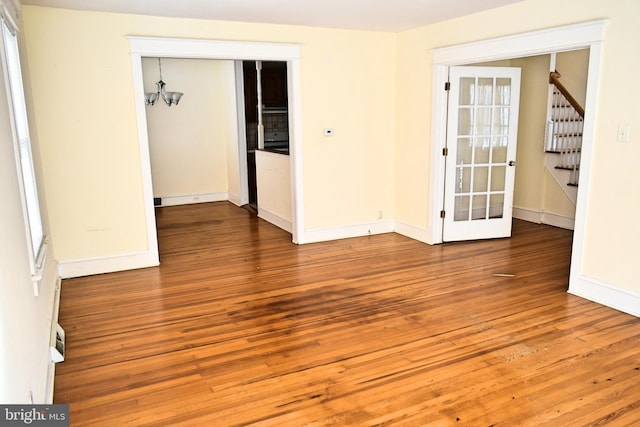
(193, 198)
(413, 232)
(274, 219)
(621, 299)
(89, 266)
(51, 369)
(540, 217)
(348, 231)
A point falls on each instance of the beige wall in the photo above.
(530, 188)
(188, 143)
(84, 108)
(610, 247)
(573, 67)
(374, 89)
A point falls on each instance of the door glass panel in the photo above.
(496, 206)
(501, 121)
(485, 91)
(483, 121)
(478, 189)
(498, 174)
(480, 179)
(499, 154)
(464, 151)
(464, 121)
(461, 208)
(479, 208)
(467, 91)
(503, 91)
(463, 179)
(482, 150)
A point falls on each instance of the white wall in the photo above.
(188, 142)
(25, 320)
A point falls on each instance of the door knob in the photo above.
(512, 163)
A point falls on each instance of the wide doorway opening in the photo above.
(225, 50)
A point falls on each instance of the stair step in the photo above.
(568, 168)
(572, 184)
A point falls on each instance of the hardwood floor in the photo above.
(240, 327)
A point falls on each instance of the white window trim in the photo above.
(37, 251)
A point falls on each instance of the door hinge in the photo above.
(445, 151)
(441, 214)
(447, 86)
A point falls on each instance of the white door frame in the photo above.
(216, 49)
(557, 39)
(243, 181)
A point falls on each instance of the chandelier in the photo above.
(170, 98)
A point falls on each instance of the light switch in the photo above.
(623, 133)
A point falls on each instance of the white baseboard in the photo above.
(274, 219)
(89, 266)
(623, 300)
(193, 198)
(544, 218)
(235, 199)
(345, 232)
(51, 369)
(411, 231)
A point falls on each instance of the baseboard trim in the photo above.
(346, 232)
(544, 218)
(275, 219)
(623, 300)
(193, 198)
(86, 267)
(416, 233)
(51, 370)
(235, 199)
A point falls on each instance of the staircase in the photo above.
(563, 138)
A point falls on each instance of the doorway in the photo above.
(557, 39)
(213, 49)
(266, 118)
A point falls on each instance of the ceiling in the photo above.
(374, 15)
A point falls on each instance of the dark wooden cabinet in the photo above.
(274, 84)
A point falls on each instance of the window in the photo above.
(24, 160)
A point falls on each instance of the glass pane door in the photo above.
(483, 111)
(483, 122)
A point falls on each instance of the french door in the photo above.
(481, 151)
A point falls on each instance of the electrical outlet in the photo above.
(327, 132)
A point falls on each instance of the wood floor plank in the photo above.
(238, 326)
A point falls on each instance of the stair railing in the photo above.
(564, 135)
